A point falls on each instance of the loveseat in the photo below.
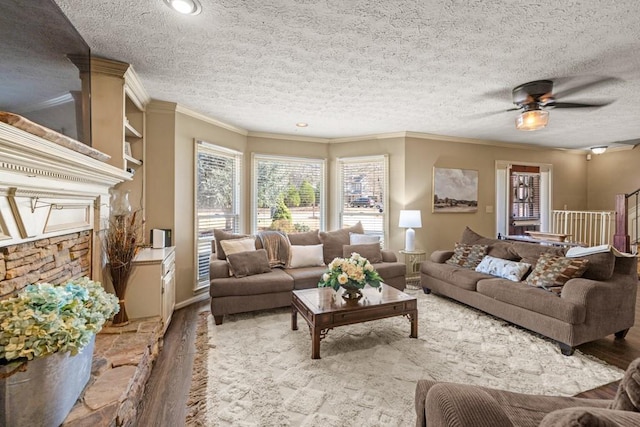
(593, 297)
(263, 278)
(440, 404)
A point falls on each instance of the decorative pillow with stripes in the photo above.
(553, 271)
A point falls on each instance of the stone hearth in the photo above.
(122, 363)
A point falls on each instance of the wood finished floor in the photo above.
(167, 390)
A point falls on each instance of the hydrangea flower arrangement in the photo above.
(353, 272)
(43, 319)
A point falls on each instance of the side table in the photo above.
(413, 259)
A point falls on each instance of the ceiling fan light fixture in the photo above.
(599, 150)
(532, 120)
(186, 7)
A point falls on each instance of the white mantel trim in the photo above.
(29, 155)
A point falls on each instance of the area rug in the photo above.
(253, 370)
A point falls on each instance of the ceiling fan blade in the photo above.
(585, 85)
(575, 105)
(490, 113)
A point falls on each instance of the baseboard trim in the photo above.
(200, 297)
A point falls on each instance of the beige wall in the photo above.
(611, 173)
(170, 180)
(441, 230)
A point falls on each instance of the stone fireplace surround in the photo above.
(54, 202)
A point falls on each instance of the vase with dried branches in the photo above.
(122, 241)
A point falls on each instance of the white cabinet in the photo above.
(151, 287)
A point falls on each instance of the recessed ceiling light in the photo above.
(186, 7)
(302, 124)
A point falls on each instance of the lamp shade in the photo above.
(410, 219)
(532, 120)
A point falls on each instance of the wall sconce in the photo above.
(410, 219)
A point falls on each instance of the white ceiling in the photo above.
(352, 68)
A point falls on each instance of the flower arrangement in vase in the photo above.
(43, 319)
(352, 274)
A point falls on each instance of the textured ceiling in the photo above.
(361, 67)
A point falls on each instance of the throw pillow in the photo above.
(506, 269)
(333, 241)
(305, 256)
(248, 263)
(370, 251)
(358, 239)
(467, 256)
(234, 246)
(628, 394)
(304, 239)
(553, 271)
(221, 235)
(497, 248)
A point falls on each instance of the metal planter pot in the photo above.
(44, 394)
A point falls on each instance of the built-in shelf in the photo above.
(130, 131)
(132, 160)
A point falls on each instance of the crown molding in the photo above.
(191, 113)
(163, 107)
(369, 137)
(109, 66)
(134, 88)
(288, 137)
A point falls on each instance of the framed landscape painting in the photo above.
(455, 190)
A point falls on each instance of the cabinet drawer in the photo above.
(168, 264)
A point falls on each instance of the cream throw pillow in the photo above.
(305, 256)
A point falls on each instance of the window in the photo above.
(363, 195)
(288, 193)
(217, 200)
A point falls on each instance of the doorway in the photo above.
(523, 197)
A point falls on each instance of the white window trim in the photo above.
(238, 202)
(255, 157)
(338, 198)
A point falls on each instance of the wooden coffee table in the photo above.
(324, 309)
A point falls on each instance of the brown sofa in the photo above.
(599, 303)
(440, 404)
(231, 294)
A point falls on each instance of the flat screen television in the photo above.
(41, 57)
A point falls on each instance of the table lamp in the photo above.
(410, 219)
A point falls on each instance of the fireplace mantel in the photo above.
(48, 190)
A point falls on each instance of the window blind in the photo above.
(288, 194)
(217, 200)
(363, 196)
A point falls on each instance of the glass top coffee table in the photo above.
(324, 309)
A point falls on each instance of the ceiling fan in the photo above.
(536, 97)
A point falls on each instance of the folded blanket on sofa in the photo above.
(276, 244)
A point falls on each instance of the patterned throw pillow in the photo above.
(553, 271)
(506, 269)
(467, 256)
